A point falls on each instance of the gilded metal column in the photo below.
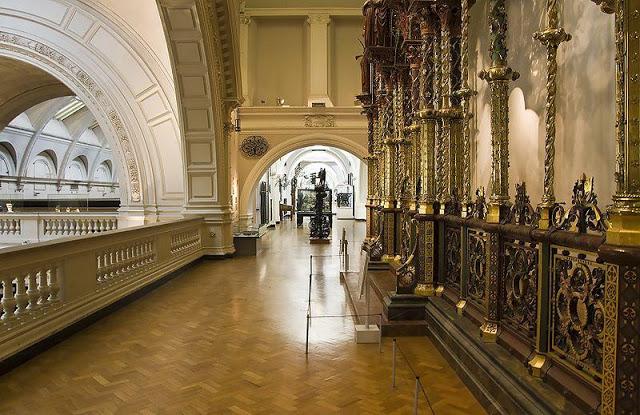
(620, 377)
(625, 213)
(444, 137)
(428, 117)
(465, 93)
(551, 37)
(498, 77)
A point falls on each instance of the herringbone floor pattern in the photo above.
(227, 337)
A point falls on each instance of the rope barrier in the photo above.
(419, 385)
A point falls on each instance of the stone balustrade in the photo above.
(48, 286)
(21, 228)
(10, 226)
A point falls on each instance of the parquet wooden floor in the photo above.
(227, 337)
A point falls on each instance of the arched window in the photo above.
(4, 166)
(77, 169)
(7, 160)
(103, 173)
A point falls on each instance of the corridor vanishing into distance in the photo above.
(228, 337)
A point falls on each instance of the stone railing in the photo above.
(48, 286)
(21, 228)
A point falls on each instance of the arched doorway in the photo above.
(289, 182)
(250, 176)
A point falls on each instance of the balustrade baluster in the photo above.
(8, 300)
(43, 286)
(3, 226)
(12, 226)
(112, 264)
(54, 281)
(32, 290)
(22, 299)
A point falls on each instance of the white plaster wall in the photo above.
(345, 69)
(586, 114)
(277, 49)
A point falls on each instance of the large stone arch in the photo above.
(120, 80)
(250, 178)
(201, 35)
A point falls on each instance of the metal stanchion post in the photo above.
(415, 397)
(380, 334)
(346, 255)
(368, 299)
(393, 365)
(306, 347)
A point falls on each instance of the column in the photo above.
(551, 37)
(620, 380)
(498, 77)
(245, 27)
(319, 59)
(427, 116)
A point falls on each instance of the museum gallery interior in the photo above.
(320, 206)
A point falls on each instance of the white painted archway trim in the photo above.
(121, 81)
(288, 146)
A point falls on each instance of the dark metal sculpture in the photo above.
(320, 222)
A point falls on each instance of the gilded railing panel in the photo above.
(477, 245)
(577, 310)
(453, 256)
(520, 287)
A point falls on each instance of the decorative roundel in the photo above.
(254, 146)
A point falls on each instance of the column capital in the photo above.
(244, 19)
(319, 19)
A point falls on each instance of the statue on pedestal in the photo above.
(320, 222)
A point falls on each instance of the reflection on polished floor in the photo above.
(228, 337)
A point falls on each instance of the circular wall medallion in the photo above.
(254, 146)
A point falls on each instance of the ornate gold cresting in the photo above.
(498, 77)
(625, 213)
(551, 37)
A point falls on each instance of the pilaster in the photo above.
(319, 59)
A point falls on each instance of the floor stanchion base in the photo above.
(365, 335)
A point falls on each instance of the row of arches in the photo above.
(44, 166)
